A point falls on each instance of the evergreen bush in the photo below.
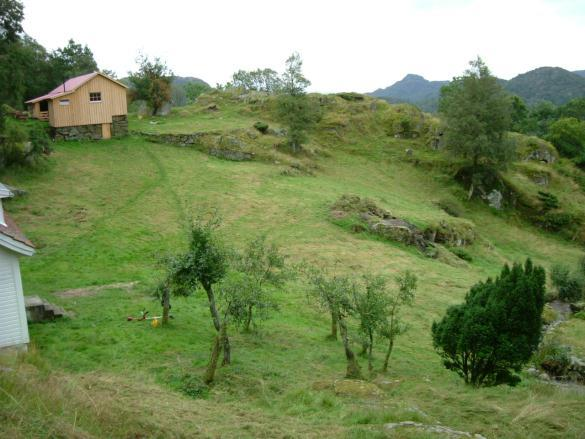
(496, 330)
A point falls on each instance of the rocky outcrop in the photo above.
(368, 216)
(453, 233)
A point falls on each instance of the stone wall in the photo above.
(119, 126)
(81, 132)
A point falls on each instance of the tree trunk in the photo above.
(353, 368)
(227, 357)
(248, 319)
(388, 352)
(370, 347)
(333, 335)
(166, 299)
(218, 342)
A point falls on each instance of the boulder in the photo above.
(356, 388)
(495, 199)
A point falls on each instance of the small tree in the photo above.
(370, 302)
(204, 264)
(152, 82)
(393, 327)
(294, 108)
(335, 294)
(496, 330)
(262, 266)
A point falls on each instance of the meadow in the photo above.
(104, 213)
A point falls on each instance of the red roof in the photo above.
(12, 231)
(70, 86)
(65, 88)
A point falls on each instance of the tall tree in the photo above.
(496, 330)
(476, 110)
(11, 16)
(72, 60)
(152, 82)
(294, 108)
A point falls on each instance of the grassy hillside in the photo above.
(104, 212)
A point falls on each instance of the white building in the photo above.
(13, 324)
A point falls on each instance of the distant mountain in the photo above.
(182, 80)
(413, 89)
(547, 84)
(552, 84)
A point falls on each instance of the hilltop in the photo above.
(552, 84)
(102, 214)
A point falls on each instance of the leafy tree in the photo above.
(70, 61)
(204, 264)
(11, 16)
(370, 304)
(568, 136)
(518, 114)
(476, 110)
(266, 80)
(294, 82)
(294, 108)
(152, 82)
(393, 327)
(262, 266)
(335, 293)
(574, 108)
(496, 330)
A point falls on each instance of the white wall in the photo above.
(13, 324)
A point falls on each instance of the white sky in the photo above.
(355, 45)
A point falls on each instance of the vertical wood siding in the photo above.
(13, 324)
(81, 111)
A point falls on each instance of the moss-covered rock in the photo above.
(453, 232)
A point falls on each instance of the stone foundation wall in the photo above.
(119, 126)
(81, 132)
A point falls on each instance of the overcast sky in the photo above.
(355, 45)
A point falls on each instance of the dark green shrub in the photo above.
(40, 141)
(496, 330)
(261, 126)
(558, 221)
(569, 285)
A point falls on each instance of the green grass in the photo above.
(106, 212)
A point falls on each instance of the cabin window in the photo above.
(95, 97)
(64, 102)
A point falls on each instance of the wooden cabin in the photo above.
(13, 322)
(91, 106)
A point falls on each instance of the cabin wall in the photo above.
(81, 111)
(13, 323)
